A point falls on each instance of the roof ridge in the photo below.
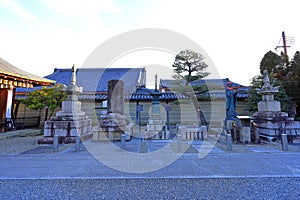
(10, 70)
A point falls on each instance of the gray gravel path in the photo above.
(29, 171)
(211, 188)
(16, 145)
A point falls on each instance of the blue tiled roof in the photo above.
(95, 82)
(220, 94)
(214, 93)
(144, 94)
(216, 82)
(140, 95)
(96, 79)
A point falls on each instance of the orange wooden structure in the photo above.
(12, 77)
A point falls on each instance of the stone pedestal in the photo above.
(192, 132)
(113, 125)
(270, 125)
(156, 129)
(67, 128)
(245, 135)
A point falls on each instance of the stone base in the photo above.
(270, 125)
(105, 134)
(115, 135)
(271, 116)
(67, 128)
(152, 135)
(61, 140)
(99, 134)
(193, 133)
(245, 136)
(156, 130)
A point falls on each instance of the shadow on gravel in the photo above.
(46, 149)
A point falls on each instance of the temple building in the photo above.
(11, 78)
(94, 82)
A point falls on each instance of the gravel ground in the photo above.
(244, 148)
(17, 145)
(27, 144)
(216, 188)
(152, 188)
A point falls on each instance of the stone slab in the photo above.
(245, 136)
(269, 106)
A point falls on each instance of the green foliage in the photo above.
(203, 97)
(292, 80)
(253, 96)
(189, 65)
(46, 97)
(272, 62)
(181, 101)
(201, 88)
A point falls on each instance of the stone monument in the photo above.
(115, 97)
(155, 109)
(70, 122)
(156, 128)
(115, 125)
(270, 121)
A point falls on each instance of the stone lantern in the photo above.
(270, 121)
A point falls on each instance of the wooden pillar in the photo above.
(3, 103)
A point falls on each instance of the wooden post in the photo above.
(284, 43)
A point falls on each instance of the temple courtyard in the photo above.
(205, 170)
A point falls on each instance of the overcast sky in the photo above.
(40, 35)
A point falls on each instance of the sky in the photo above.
(40, 35)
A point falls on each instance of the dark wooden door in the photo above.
(3, 102)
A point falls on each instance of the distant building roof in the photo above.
(95, 80)
(216, 87)
(144, 94)
(167, 83)
(9, 71)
